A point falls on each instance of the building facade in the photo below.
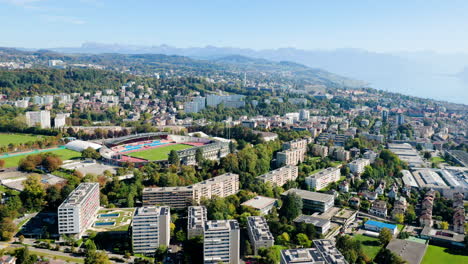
(259, 233)
(313, 201)
(358, 166)
(197, 217)
(77, 213)
(280, 176)
(38, 118)
(150, 229)
(221, 243)
(322, 178)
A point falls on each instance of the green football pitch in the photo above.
(6, 139)
(64, 154)
(160, 153)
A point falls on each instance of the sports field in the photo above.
(64, 154)
(370, 245)
(435, 254)
(160, 153)
(6, 139)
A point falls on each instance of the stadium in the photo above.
(140, 149)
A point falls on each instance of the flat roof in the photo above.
(411, 251)
(259, 202)
(381, 224)
(322, 197)
(309, 219)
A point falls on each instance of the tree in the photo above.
(292, 206)
(51, 163)
(199, 156)
(160, 253)
(7, 228)
(303, 240)
(173, 158)
(2, 163)
(24, 256)
(90, 153)
(270, 255)
(444, 225)
(283, 239)
(427, 155)
(385, 256)
(385, 236)
(399, 218)
(248, 248)
(97, 257)
(33, 193)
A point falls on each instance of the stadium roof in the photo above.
(80, 145)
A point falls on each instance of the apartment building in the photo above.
(38, 118)
(150, 229)
(319, 150)
(290, 157)
(77, 213)
(280, 176)
(60, 120)
(180, 197)
(300, 143)
(322, 178)
(221, 243)
(358, 166)
(259, 233)
(314, 201)
(196, 221)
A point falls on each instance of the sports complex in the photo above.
(155, 147)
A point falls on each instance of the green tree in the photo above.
(303, 240)
(7, 229)
(292, 206)
(270, 255)
(33, 193)
(173, 158)
(385, 236)
(399, 218)
(90, 153)
(444, 225)
(248, 248)
(199, 156)
(97, 257)
(160, 253)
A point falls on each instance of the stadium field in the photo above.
(160, 153)
(6, 139)
(64, 154)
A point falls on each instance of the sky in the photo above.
(380, 26)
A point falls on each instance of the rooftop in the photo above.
(259, 202)
(380, 224)
(308, 219)
(259, 228)
(310, 195)
(411, 251)
(152, 210)
(196, 216)
(78, 195)
(221, 225)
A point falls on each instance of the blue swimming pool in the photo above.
(109, 215)
(104, 224)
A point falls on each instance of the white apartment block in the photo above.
(322, 178)
(319, 150)
(290, 157)
(38, 118)
(77, 213)
(150, 229)
(196, 221)
(300, 143)
(60, 120)
(180, 197)
(358, 166)
(259, 233)
(221, 242)
(280, 176)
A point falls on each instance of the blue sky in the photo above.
(373, 25)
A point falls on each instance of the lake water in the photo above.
(439, 87)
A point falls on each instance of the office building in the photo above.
(358, 166)
(150, 229)
(261, 203)
(180, 197)
(259, 233)
(280, 176)
(313, 201)
(196, 221)
(38, 118)
(324, 252)
(322, 178)
(77, 213)
(221, 243)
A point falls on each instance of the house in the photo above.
(393, 193)
(370, 195)
(380, 189)
(6, 259)
(379, 208)
(344, 186)
(459, 220)
(399, 206)
(425, 219)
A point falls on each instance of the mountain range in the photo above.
(423, 73)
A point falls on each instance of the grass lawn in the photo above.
(6, 139)
(64, 154)
(160, 153)
(370, 245)
(437, 159)
(435, 254)
(52, 256)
